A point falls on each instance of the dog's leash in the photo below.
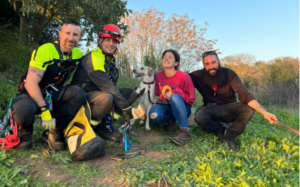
(125, 130)
(149, 84)
(134, 152)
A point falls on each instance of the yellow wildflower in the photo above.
(278, 162)
(285, 147)
(237, 163)
(243, 173)
(294, 148)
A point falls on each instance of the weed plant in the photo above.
(269, 156)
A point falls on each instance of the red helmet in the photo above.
(111, 31)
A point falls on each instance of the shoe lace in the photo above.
(181, 134)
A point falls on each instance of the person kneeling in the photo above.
(98, 75)
(43, 91)
(221, 113)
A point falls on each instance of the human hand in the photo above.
(48, 121)
(168, 95)
(128, 117)
(270, 117)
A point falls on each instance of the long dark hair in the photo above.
(176, 56)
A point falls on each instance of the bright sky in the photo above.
(264, 28)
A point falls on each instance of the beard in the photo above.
(69, 45)
(217, 79)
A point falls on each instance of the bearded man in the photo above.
(221, 113)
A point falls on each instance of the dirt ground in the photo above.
(41, 168)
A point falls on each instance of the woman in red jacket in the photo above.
(176, 95)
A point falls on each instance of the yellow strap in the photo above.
(127, 108)
(94, 122)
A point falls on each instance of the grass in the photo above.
(269, 154)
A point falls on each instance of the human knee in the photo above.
(75, 94)
(250, 110)
(101, 105)
(24, 117)
(200, 116)
(247, 109)
(153, 115)
(175, 98)
(104, 99)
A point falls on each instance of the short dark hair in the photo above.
(176, 56)
(206, 53)
(70, 21)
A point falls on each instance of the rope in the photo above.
(12, 140)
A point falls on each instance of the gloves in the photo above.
(128, 116)
(48, 121)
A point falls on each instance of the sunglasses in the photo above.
(209, 53)
(112, 33)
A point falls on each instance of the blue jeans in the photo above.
(177, 109)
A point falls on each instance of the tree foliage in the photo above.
(93, 14)
(275, 82)
(150, 33)
(253, 72)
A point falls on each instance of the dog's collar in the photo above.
(148, 83)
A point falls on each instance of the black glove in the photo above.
(128, 116)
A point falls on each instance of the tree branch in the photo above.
(48, 20)
(16, 9)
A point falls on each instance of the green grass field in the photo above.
(269, 154)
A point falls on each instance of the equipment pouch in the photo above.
(82, 141)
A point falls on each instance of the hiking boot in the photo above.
(104, 131)
(25, 140)
(229, 137)
(183, 137)
(56, 140)
(221, 134)
(231, 144)
(221, 137)
(170, 127)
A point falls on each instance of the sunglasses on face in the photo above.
(112, 33)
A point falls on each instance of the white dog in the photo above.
(146, 100)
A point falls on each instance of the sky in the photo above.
(266, 29)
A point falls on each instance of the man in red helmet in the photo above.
(98, 74)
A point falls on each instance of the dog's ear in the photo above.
(150, 72)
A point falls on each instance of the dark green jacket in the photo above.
(96, 73)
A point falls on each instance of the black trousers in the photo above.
(66, 104)
(101, 102)
(236, 115)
